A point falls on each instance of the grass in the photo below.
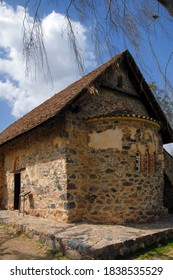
(161, 251)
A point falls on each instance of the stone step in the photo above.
(91, 241)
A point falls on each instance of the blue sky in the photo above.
(19, 95)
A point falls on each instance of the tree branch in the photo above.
(168, 5)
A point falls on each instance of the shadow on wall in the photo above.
(31, 201)
(168, 194)
(4, 199)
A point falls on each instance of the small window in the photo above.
(137, 162)
(146, 161)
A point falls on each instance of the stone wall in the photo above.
(124, 185)
(109, 100)
(114, 166)
(40, 157)
(77, 168)
(79, 173)
(118, 80)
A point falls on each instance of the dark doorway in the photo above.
(17, 182)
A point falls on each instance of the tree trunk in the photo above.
(168, 5)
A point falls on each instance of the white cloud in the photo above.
(23, 95)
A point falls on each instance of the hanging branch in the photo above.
(168, 5)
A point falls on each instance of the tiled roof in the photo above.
(59, 101)
(52, 106)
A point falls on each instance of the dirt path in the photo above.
(15, 245)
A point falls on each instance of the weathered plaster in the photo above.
(109, 139)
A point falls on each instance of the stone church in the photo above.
(91, 153)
